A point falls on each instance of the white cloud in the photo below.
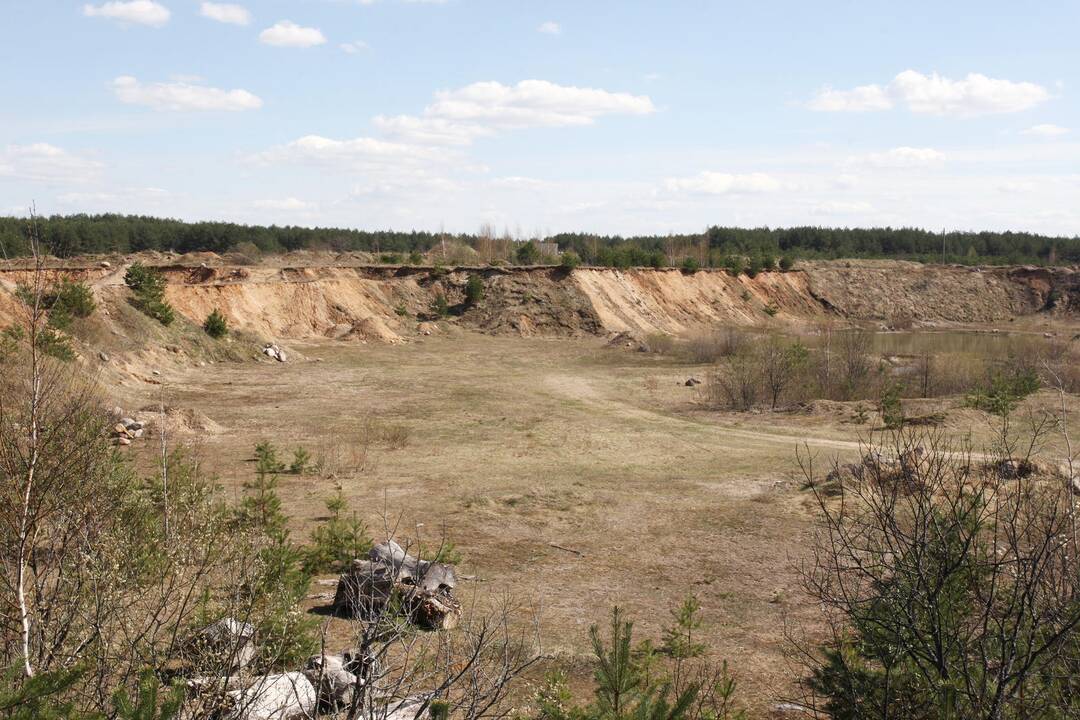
(1045, 130)
(354, 47)
(142, 12)
(900, 157)
(975, 94)
(717, 183)
(46, 163)
(429, 130)
(357, 153)
(225, 13)
(182, 96)
(290, 203)
(456, 117)
(549, 28)
(121, 198)
(841, 207)
(286, 33)
(861, 99)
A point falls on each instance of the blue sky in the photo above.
(615, 117)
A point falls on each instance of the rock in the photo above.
(692, 382)
(333, 683)
(119, 428)
(102, 356)
(127, 422)
(105, 264)
(155, 372)
(134, 425)
(404, 709)
(227, 644)
(274, 697)
(137, 433)
(273, 351)
(123, 441)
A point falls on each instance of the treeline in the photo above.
(66, 236)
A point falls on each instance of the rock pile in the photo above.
(274, 352)
(126, 429)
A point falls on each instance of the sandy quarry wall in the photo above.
(382, 303)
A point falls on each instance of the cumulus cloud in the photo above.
(717, 183)
(225, 13)
(182, 96)
(141, 12)
(351, 48)
(975, 94)
(289, 204)
(45, 163)
(483, 108)
(841, 207)
(356, 153)
(549, 28)
(901, 157)
(1045, 130)
(286, 33)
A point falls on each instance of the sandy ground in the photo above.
(516, 445)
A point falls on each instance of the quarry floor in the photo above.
(570, 475)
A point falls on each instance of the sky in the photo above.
(544, 117)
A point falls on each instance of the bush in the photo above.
(753, 268)
(1005, 391)
(215, 325)
(941, 593)
(690, 265)
(570, 260)
(301, 461)
(527, 254)
(768, 263)
(474, 290)
(338, 541)
(786, 263)
(148, 286)
(733, 265)
(439, 306)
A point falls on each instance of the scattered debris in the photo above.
(566, 549)
(424, 589)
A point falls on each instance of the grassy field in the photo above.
(510, 447)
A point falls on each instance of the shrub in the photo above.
(570, 260)
(753, 268)
(768, 263)
(148, 286)
(690, 265)
(527, 254)
(786, 263)
(338, 541)
(890, 406)
(1005, 391)
(771, 310)
(439, 306)
(474, 290)
(708, 346)
(658, 260)
(390, 259)
(941, 593)
(733, 265)
(301, 461)
(215, 325)
(415, 258)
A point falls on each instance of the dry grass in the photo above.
(509, 446)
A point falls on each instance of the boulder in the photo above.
(123, 440)
(425, 589)
(274, 352)
(225, 645)
(274, 697)
(333, 682)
